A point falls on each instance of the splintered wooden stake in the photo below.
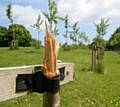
(50, 98)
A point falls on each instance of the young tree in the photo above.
(37, 26)
(52, 17)
(98, 41)
(101, 27)
(66, 29)
(82, 38)
(76, 35)
(14, 44)
(75, 32)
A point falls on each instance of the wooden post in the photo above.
(94, 57)
(51, 99)
(51, 80)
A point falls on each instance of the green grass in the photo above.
(88, 90)
(23, 56)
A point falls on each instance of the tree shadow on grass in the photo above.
(86, 69)
(30, 52)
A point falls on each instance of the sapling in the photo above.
(14, 42)
(37, 26)
(99, 42)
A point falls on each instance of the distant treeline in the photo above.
(22, 35)
(114, 42)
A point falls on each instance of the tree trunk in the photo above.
(37, 41)
(14, 37)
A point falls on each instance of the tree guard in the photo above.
(97, 58)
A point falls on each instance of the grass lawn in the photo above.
(88, 90)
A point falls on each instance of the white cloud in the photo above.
(25, 15)
(89, 10)
(2, 12)
(114, 14)
(77, 10)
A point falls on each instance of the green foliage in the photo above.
(82, 38)
(75, 33)
(3, 37)
(37, 26)
(66, 22)
(22, 35)
(114, 41)
(102, 27)
(76, 36)
(66, 33)
(52, 17)
(38, 23)
(14, 43)
(36, 43)
(98, 41)
(56, 30)
(66, 47)
(9, 12)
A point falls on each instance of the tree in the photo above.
(77, 36)
(98, 45)
(82, 38)
(9, 12)
(3, 37)
(14, 44)
(23, 36)
(101, 29)
(75, 32)
(52, 17)
(37, 26)
(66, 29)
(114, 41)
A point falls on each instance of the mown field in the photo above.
(88, 90)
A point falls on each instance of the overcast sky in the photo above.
(85, 11)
